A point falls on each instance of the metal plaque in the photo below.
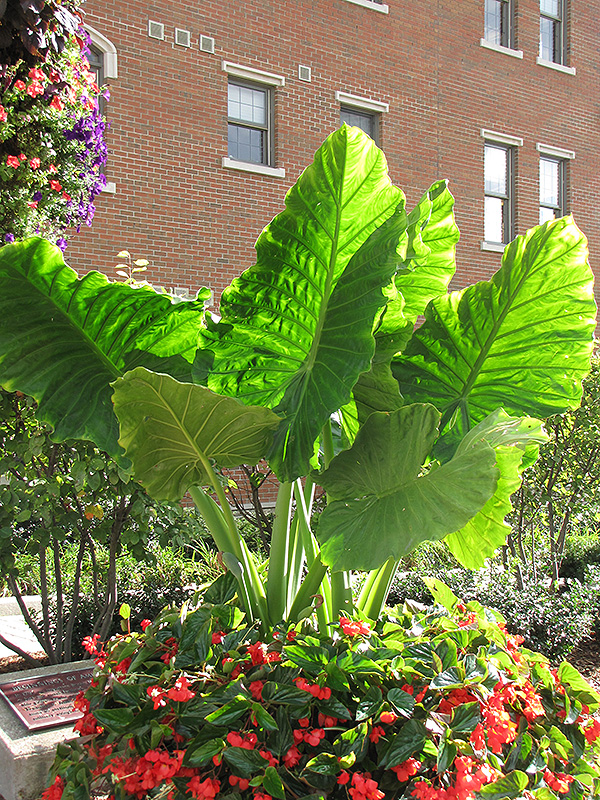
(47, 701)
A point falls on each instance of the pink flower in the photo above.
(23, 157)
(34, 163)
(12, 161)
(56, 186)
(36, 74)
(57, 104)
(34, 89)
(19, 86)
(3, 114)
(52, 169)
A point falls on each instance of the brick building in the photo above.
(216, 108)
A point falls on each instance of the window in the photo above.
(498, 24)
(367, 122)
(249, 129)
(552, 31)
(251, 119)
(498, 211)
(552, 188)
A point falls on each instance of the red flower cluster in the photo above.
(354, 627)
(318, 692)
(363, 787)
(558, 781)
(406, 769)
(180, 693)
(55, 791)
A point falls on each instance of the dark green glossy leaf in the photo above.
(465, 718)
(296, 329)
(201, 755)
(116, 720)
(521, 341)
(401, 701)
(244, 763)
(171, 431)
(263, 719)
(370, 705)
(446, 754)
(408, 741)
(510, 785)
(352, 741)
(397, 508)
(63, 339)
(272, 783)
(230, 712)
(324, 764)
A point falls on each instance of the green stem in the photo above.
(295, 565)
(304, 499)
(213, 516)
(366, 589)
(327, 442)
(341, 594)
(379, 589)
(278, 558)
(310, 587)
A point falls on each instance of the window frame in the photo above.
(560, 39)
(363, 105)
(510, 144)
(267, 128)
(507, 41)
(560, 208)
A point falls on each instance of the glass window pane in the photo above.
(493, 21)
(547, 37)
(495, 170)
(549, 186)
(245, 144)
(551, 7)
(546, 214)
(493, 228)
(247, 104)
(363, 121)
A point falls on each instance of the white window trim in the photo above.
(554, 152)
(501, 138)
(381, 7)
(366, 103)
(252, 74)
(498, 48)
(558, 67)
(257, 169)
(108, 50)
(493, 247)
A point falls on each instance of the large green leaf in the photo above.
(486, 531)
(521, 341)
(171, 431)
(382, 508)
(427, 252)
(296, 329)
(64, 339)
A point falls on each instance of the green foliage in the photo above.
(341, 275)
(550, 621)
(69, 497)
(426, 704)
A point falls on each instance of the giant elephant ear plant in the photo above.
(436, 423)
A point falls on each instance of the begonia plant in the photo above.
(52, 146)
(435, 703)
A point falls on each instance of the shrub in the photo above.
(435, 705)
(550, 621)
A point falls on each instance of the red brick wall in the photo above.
(196, 221)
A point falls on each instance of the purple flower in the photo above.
(61, 243)
(9, 238)
(37, 196)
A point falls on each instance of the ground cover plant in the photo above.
(439, 704)
(315, 365)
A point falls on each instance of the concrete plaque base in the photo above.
(26, 756)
